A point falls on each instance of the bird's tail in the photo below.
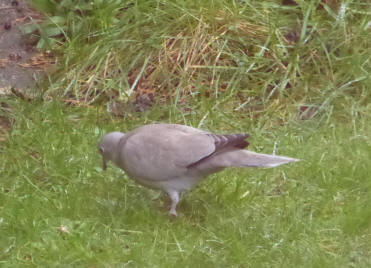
(245, 158)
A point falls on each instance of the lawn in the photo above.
(222, 66)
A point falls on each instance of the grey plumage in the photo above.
(174, 158)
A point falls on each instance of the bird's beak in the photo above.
(104, 164)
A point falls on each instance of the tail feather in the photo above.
(244, 158)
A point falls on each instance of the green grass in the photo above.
(240, 51)
(225, 66)
(314, 213)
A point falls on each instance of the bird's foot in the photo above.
(174, 196)
(173, 212)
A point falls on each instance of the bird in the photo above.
(175, 158)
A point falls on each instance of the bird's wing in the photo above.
(165, 151)
(223, 143)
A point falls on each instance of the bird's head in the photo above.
(108, 147)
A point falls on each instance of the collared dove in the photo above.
(174, 158)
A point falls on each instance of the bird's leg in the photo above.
(174, 196)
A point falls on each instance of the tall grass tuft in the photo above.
(257, 55)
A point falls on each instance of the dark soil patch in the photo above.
(16, 50)
(20, 65)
